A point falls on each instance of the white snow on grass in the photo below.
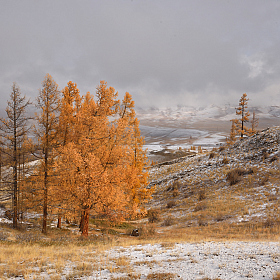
(211, 140)
(223, 260)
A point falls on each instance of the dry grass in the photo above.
(161, 276)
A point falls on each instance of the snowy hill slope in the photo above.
(235, 184)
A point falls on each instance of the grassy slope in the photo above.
(196, 198)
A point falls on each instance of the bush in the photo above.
(2, 206)
(202, 221)
(146, 231)
(222, 148)
(200, 206)
(175, 192)
(9, 214)
(201, 195)
(212, 155)
(274, 158)
(169, 221)
(161, 276)
(225, 160)
(153, 215)
(171, 204)
(233, 176)
(3, 236)
(264, 179)
(265, 153)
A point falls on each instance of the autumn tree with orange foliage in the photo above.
(242, 111)
(233, 131)
(46, 132)
(101, 168)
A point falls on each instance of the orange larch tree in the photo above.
(46, 132)
(101, 170)
(242, 111)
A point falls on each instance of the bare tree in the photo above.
(13, 130)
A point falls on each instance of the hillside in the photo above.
(237, 185)
(214, 215)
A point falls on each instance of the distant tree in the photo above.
(13, 132)
(233, 131)
(46, 132)
(242, 111)
(255, 123)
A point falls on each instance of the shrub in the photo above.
(201, 195)
(265, 153)
(225, 160)
(202, 221)
(175, 192)
(161, 276)
(153, 215)
(2, 206)
(146, 231)
(200, 206)
(233, 176)
(222, 148)
(264, 179)
(212, 155)
(3, 236)
(171, 204)
(274, 158)
(169, 221)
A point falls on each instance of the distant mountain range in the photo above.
(211, 112)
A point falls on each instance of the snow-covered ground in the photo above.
(160, 138)
(221, 260)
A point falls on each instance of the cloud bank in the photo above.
(165, 53)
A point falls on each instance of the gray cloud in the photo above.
(163, 52)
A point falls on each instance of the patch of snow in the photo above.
(224, 260)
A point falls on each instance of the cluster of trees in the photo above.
(238, 126)
(82, 155)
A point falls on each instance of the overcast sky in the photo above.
(164, 52)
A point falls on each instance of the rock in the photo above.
(135, 232)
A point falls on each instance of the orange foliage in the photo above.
(100, 166)
(241, 110)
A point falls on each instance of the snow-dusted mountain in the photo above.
(211, 112)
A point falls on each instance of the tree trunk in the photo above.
(85, 224)
(15, 174)
(45, 205)
(15, 200)
(81, 226)
(59, 221)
